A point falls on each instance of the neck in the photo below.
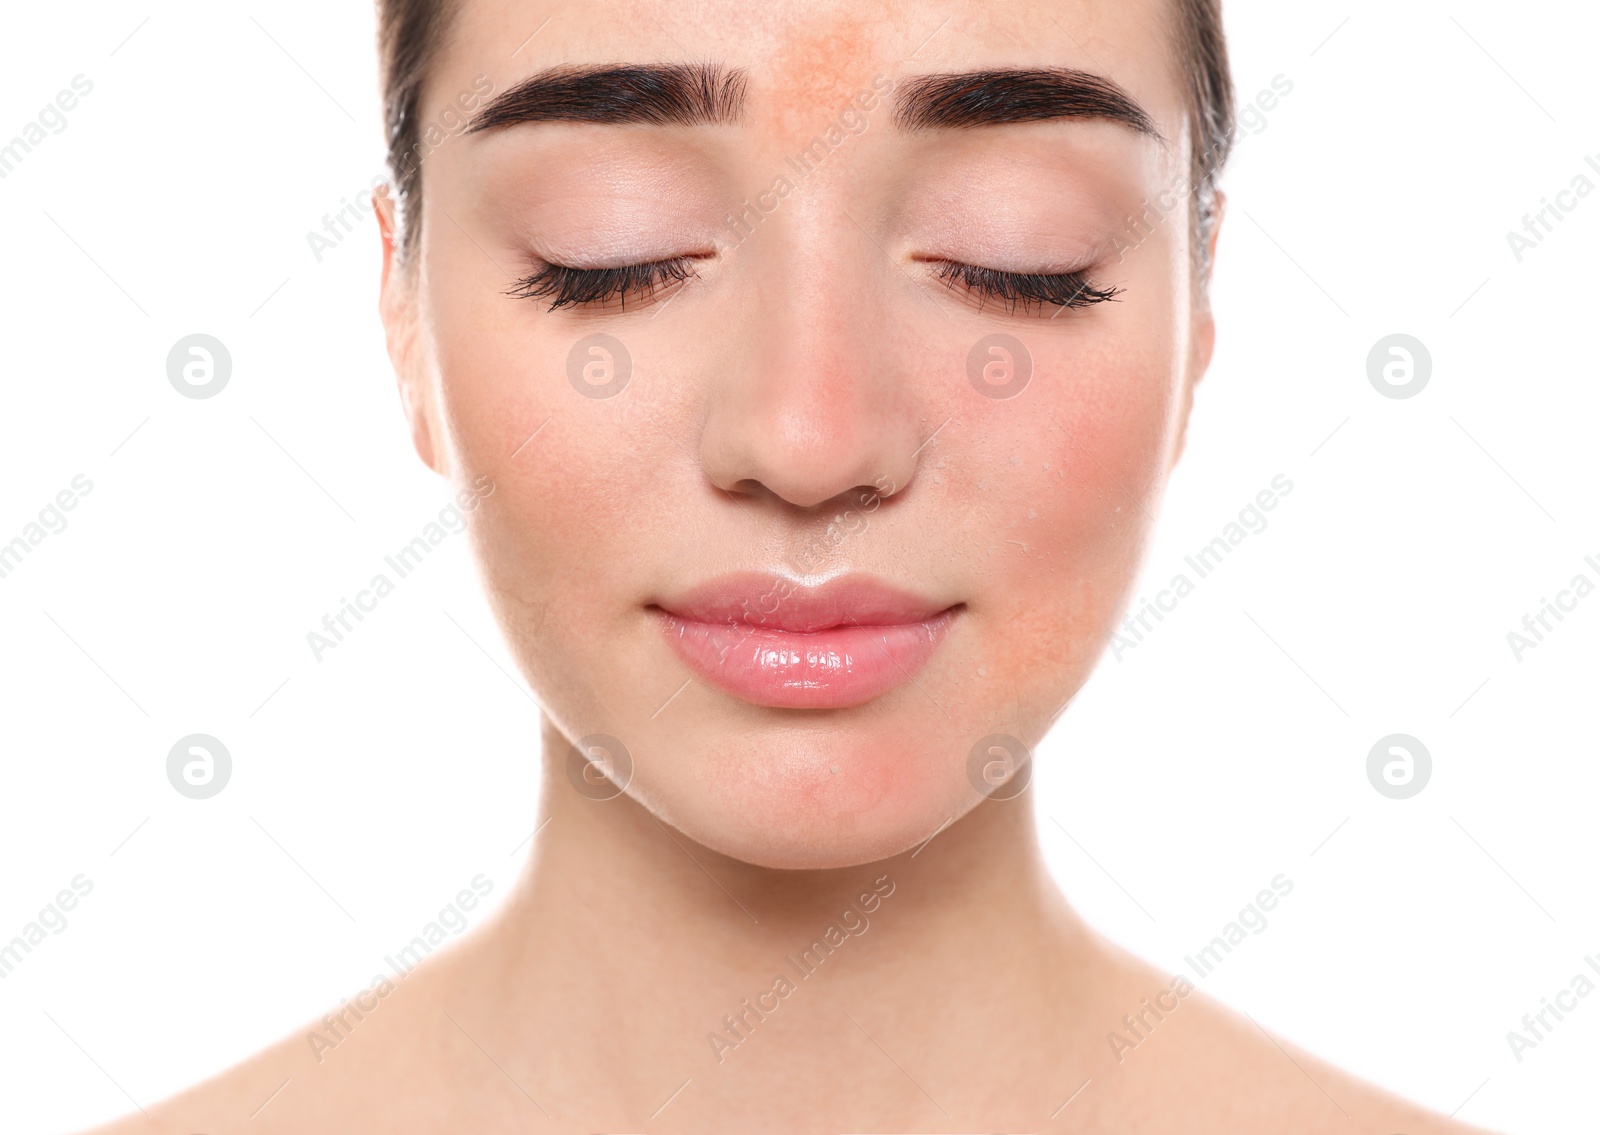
(624, 936)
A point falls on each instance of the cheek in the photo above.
(1072, 481)
(1076, 462)
(570, 471)
(560, 542)
(1109, 448)
(566, 527)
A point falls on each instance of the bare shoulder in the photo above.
(1179, 1059)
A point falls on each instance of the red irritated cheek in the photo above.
(1076, 460)
(1068, 478)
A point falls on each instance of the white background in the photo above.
(1227, 748)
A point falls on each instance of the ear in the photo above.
(1203, 328)
(400, 311)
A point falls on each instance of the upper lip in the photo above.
(774, 602)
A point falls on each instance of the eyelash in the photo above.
(1027, 290)
(573, 287)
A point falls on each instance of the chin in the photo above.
(799, 795)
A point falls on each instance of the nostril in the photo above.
(810, 439)
(859, 498)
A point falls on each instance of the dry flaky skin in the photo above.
(818, 354)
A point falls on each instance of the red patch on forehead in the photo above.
(819, 68)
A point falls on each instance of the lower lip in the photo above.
(831, 669)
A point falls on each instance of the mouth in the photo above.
(773, 642)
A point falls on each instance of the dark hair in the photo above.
(410, 33)
(1204, 51)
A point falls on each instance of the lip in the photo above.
(773, 642)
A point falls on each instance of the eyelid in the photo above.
(567, 286)
(589, 287)
(1027, 290)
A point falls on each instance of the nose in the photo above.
(821, 406)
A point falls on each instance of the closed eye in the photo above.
(1029, 291)
(598, 287)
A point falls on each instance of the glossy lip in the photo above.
(773, 642)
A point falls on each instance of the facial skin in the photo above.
(814, 372)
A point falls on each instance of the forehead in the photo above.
(805, 58)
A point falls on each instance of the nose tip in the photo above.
(807, 443)
(805, 456)
(815, 401)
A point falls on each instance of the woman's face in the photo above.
(810, 520)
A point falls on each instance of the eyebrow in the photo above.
(994, 98)
(676, 94)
